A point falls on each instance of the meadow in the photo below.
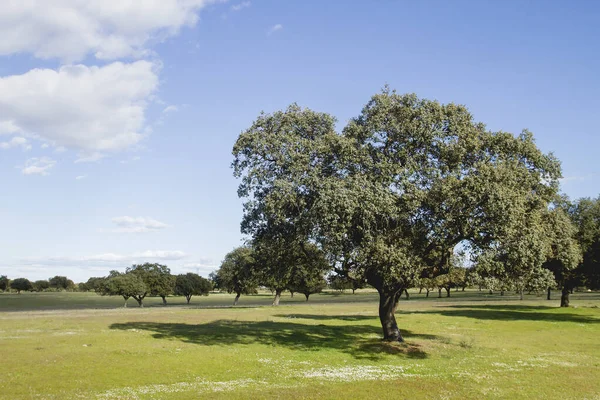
(471, 345)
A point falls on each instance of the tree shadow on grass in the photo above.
(511, 312)
(356, 340)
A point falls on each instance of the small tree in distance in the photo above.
(237, 273)
(191, 284)
(20, 284)
(4, 283)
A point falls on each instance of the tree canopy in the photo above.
(191, 284)
(237, 273)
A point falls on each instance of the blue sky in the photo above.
(117, 119)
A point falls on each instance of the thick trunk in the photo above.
(188, 298)
(353, 290)
(126, 298)
(447, 292)
(291, 294)
(427, 294)
(491, 292)
(463, 288)
(164, 300)
(277, 297)
(237, 297)
(307, 295)
(439, 293)
(407, 296)
(549, 294)
(388, 301)
(564, 298)
(502, 293)
(140, 302)
(420, 290)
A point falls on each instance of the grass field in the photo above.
(472, 345)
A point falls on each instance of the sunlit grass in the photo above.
(470, 346)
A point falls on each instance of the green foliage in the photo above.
(191, 284)
(586, 216)
(21, 284)
(156, 277)
(237, 273)
(41, 285)
(4, 283)
(125, 285)
(61, 283)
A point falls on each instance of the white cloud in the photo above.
(240, 6)
(137, 225)
(170, 109)
(16, 141)
(109, 29)
(89, 109)
(38, 166)
(274, 29)
(80, 177)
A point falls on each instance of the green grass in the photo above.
(469, 346)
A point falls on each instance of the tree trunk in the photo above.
(164, 300)
(307, 294)
(277, 297)
(126, 298)
(387, 306)
(564, 299)
(549, 294)
(291, 294)
(237, 297)
(463, 288)
(447, 292)
(502, 293)
(439, 293)
(520, 294)
(427, 293)
(406, 294)
(353, 290)
(140, 302)
(420, 290)
(188, 298)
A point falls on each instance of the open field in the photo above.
(78, 345)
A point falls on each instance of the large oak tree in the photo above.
(391, 196)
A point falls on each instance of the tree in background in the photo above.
(585, 214)
(191, 284)
(59, 282)
(391, 197)
(91, 285)
(237, 273)
(125, 285)
(156, 277)
(563, 253)
(4, 283)
(41, 285)
(20, 284)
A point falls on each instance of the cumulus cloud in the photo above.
(240, 6)
(71, 29)
(93, 110)
(38, 166)
(17, 141)
(274, 29)
(137, 225)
